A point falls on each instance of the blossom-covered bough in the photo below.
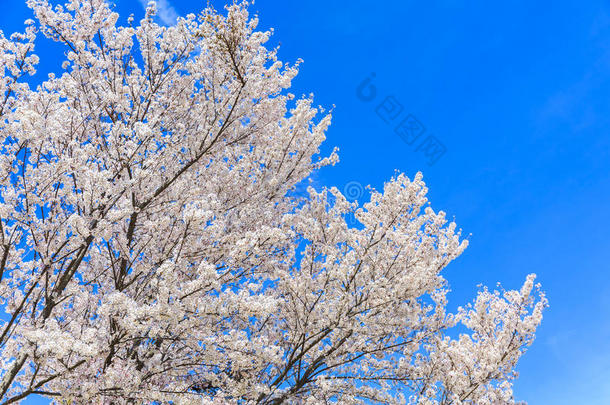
(153, 250)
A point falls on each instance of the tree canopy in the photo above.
(153, 248)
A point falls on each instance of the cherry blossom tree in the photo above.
(153, 249)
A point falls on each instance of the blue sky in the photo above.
(518, 94)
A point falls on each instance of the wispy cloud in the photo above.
(575, 105)
(165, 11)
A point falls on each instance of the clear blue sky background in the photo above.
(518, 92)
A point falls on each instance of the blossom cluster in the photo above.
(152, 249)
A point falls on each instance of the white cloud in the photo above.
(165, 11)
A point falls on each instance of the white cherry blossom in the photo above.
(153, 250)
